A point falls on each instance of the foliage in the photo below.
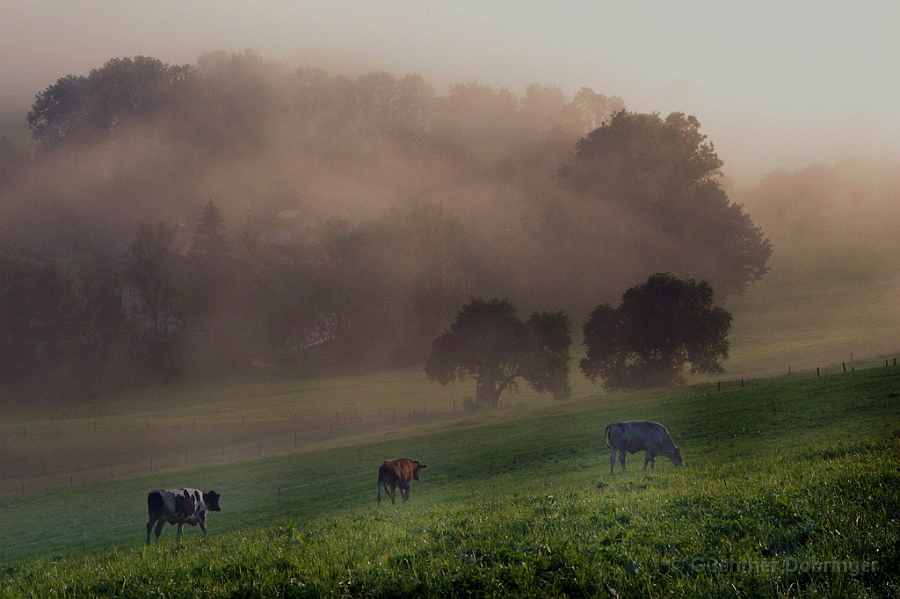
(39, 317)
(662, 176)
(59, 334)
(659, 326)
(406, 268)
(489, 342)
(154, 273)
(470, 175)
(78, 109)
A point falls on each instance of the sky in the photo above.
(774, 84)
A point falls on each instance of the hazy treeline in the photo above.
(239, 211)
(823, 213)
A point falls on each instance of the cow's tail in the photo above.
(608, 446)
(155, 504)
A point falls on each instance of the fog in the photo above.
(775, 86)
(425, 154)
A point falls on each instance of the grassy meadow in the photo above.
(791, 488)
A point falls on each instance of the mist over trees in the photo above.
(303, 220)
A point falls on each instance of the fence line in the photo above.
(279, 490)
(261, 438)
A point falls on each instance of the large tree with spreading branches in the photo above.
(488, 342)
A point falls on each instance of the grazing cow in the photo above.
(638, 435)
(399, 472)
(183, 506)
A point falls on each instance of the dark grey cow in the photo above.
(181, 506)
(638, 435)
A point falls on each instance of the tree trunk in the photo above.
(486, 393)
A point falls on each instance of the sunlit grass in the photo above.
(812, 521)
(522, 506)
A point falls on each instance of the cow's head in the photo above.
(211, 499)
(419, 467)
(676, 456)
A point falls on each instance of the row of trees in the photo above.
(639, 193)
(660, 326)
(408, 201)
(345, 297)
(224, 305)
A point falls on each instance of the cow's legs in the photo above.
(180, 531)
(650, 458)
(201, 519)
(612, 461)
(393, 494)
(383, 487)
(404, 493)
(622, 455)
(160, 524)
(150, 524)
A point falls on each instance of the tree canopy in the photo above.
(490, 343)
(77, 109)
(649, 188)
(659, 327)
(61, 334)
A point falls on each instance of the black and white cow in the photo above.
(181, 506)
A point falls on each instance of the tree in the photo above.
(214, 315)
(393, 283)
(62, 335)
(649, 189)
(211, 263)
(78, 109)
(489, 342)
(154, 274)
(11, 162)
(660, 325)
(39, 318)
(588, 110)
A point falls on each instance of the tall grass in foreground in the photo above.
(821, 522)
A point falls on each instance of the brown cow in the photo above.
(399, 472)
(183, 506)
(638, 435)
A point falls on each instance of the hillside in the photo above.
(523, 502)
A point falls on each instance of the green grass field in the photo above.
(791, 488)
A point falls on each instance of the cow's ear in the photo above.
(423, 466)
